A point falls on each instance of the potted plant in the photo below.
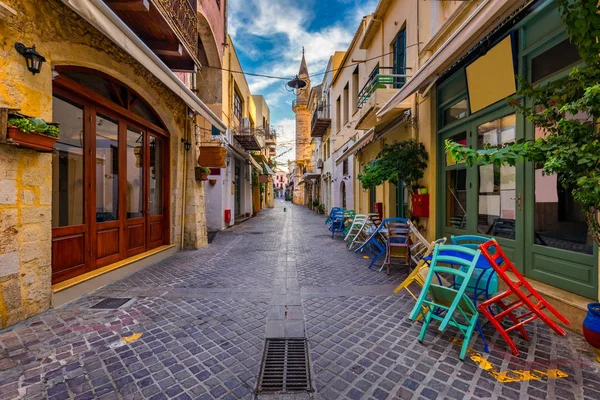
(34, 133)
(315, 205)
(591, 327)
(321, 209)
(204, 172)
(309, 203)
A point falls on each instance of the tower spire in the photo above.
(303, 73)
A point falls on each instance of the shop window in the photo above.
(553, 60)
(497, 185)
(452, 87)
(156, 176)
(559, 221)
(461, 138)
(455, 112)
(68, 165)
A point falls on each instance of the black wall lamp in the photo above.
(32, 57)
(186, 144)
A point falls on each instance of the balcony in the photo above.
(271, 137)
(382, 84)
(321, 120)
(168, 27)
(249, 138)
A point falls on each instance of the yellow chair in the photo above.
(419, 274)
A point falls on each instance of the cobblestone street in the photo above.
(196, 325)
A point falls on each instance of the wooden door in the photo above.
(155, 178)
(135, 191)
(105, 215)
(71, 247)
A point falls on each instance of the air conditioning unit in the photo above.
(320, 164)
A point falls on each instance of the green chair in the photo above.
(451, 306)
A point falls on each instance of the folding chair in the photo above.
(363, 234)
(355, 227)
(445, 304)
(348, 215)
(419, 273)
(492, 251)
(373, 246)
(398, 243)
(484, 282)
(419, 246)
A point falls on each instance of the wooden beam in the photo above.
(129, 5)
(6, 11)
(164, 48)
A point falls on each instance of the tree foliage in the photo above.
(567, 111)
(400, 161)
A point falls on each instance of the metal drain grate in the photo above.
(111, 303)
(284, 366)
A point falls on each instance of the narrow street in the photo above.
(196, 325)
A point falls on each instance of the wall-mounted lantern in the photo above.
(32, 57)
(186, 144)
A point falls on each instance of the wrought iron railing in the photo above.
(184, 20)
(381, 78)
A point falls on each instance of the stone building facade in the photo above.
(29, 258)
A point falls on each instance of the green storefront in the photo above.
(535, 220)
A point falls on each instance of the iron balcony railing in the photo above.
(381, 78)
(320, 112)
(182, 13)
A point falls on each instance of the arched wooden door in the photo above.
(110, 185)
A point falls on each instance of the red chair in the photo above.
(531, 301)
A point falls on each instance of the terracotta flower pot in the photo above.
(591, 327)
(36, 141)
(203, 177)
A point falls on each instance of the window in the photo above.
(497, 185)
(107, 169)
(237, 106)
(457, 111)
(553, 60)
(346, 104)
(355, 90)
(345, 167)
(400, 58)
(338, 114)
(67, 165)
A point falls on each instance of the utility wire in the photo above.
(310, 76)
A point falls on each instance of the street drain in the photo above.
(111, 303)
(284, 366)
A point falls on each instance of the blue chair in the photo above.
(483, 282)
(375, 246)
(333, 210)
(337, 222)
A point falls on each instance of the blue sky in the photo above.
(269, 34)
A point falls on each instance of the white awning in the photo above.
(269, 170)
(255, 164)
(359, 144)
(98, 14)
(467, 35)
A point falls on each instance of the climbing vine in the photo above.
(567, 110)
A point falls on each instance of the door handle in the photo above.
(518, 198)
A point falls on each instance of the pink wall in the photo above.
(216, 18)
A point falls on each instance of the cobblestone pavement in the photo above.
(196, 325)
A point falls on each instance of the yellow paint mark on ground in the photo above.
(515, 375)
(132, 338)
(365, 256)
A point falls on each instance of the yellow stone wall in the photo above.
(64, 38)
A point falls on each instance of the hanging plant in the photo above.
(400, 161)
(570, 146)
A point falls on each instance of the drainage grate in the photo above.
(111, 303)
(284, 366)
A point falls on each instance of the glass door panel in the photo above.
(107, 169)
(135, 196)
(497, 185)
(455, 188)
(156, 176)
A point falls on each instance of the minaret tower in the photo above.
(303, 150)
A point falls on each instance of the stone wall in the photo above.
(63, 38)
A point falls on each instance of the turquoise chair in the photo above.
(484, 282)
(449, 305)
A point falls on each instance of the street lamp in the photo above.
(32, 57)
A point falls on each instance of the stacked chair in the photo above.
(398, 243)
(356, 227)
